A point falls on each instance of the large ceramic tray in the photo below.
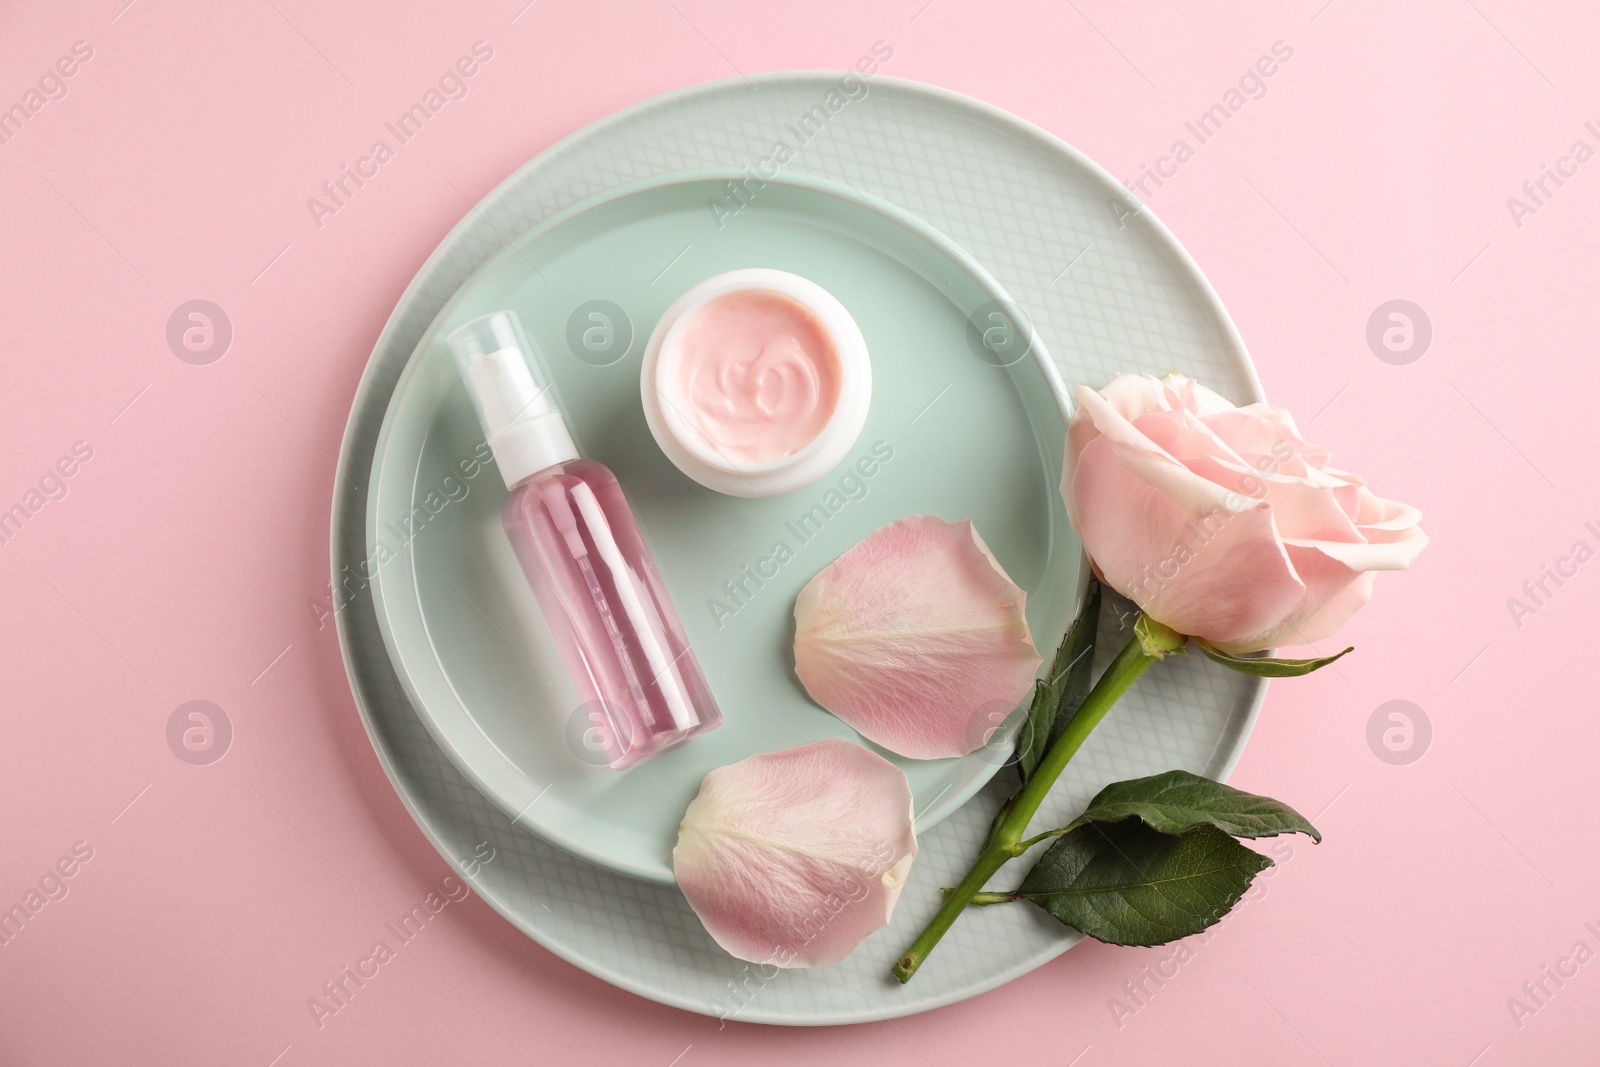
(1107, 288)
(462, 627)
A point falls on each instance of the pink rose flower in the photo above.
(1221, 521)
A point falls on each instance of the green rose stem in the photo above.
(1151, 641)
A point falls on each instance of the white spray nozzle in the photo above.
(512, 394)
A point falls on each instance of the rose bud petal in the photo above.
(1221, 521)
(792, 858)
(916, 637)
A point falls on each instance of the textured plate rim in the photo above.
(1023, 130)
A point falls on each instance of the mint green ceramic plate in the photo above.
(1109, 288)
(951, 432)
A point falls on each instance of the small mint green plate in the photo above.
(950, 433)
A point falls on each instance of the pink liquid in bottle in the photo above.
(619, 636)
(637, 678)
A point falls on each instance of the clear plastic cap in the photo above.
(504, 378)
(513, 395)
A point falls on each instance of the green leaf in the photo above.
(1269, 666)
(1057, 697)
(1126, 884)
(1177, 801)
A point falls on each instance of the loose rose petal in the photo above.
(792, 858)
(916, 638)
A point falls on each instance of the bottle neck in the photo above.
(527, 447)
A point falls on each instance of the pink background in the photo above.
(181, 563)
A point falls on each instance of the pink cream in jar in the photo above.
(756, 382)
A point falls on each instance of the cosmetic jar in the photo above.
(756, 382)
